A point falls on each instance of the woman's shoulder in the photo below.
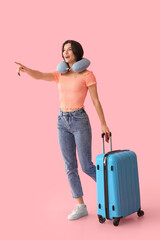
(86, 72)
(89, 78)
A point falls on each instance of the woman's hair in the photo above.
(76, 48)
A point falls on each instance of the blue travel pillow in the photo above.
(78, 66)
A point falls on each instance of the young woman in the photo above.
(74, 129)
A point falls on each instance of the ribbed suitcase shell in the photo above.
(118, 192)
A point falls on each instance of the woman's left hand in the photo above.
(105, 130)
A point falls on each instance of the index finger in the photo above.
(19, 63)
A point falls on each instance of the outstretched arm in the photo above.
(35, 74)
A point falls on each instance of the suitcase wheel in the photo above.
(101, 219)
(116, 222)
(140, 213)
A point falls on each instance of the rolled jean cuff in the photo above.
(77, 196)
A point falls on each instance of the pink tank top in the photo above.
(73, 89)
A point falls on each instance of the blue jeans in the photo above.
(74, 130)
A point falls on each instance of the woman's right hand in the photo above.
(21, 68)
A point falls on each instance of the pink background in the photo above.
(121, 39)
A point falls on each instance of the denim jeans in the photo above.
(74, 130)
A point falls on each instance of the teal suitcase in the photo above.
(117, 180)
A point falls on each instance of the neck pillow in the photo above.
(78, 66)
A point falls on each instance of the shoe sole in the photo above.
(86, 214)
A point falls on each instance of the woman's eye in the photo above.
(68, 49)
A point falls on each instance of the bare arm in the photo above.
(40, 75)
(47, 76)
(98, 107)
(36, 74)
(95, 99)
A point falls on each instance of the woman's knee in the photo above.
(88, 169)
(71, 170)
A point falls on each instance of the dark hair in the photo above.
(76, 48)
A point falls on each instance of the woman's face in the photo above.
(68, 54)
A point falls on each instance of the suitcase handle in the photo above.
(110, 140)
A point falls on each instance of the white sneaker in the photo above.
(78, 212)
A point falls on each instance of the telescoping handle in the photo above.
(110, 140)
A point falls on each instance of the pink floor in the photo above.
(39, 211)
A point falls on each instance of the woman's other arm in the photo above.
(97, 104)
